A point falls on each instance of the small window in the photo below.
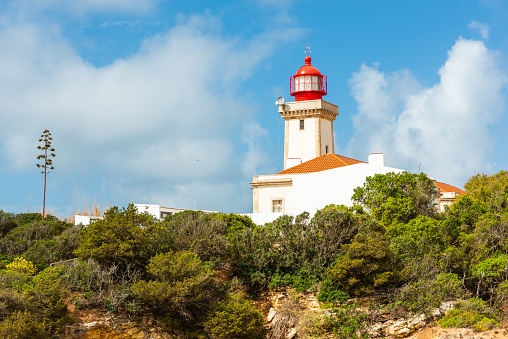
(277, 206)
(302, 124)
(326, 149)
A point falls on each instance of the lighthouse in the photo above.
(308, 130)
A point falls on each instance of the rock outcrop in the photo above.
(404, 327)
(100, 325)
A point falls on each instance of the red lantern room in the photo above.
(308, 83)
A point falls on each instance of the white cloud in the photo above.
(483, 29)
(445, 127)
(141, 121)
(255, 160)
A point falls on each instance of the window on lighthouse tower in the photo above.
(308, 83)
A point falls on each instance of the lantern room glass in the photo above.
(308, 83)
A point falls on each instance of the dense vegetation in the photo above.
(392, 243)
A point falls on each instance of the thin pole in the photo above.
(44, 197)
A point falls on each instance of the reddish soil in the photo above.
(437, 332)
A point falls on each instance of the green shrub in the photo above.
(185, 285)
(21, 325)
(313, 325)
(236, 318)
(101, 286)
(44, 296)
(13, 280)
(236, 222)
(19, 239)
(302, 281)
(501, 292)
(347, 322)
(279, 280)
(293, 251)
(366, 265)
(202, 233)
(88, 275)
(42, 253)
(7, 222)
(121, 238)
(330, 293)
(471, 313)
(425, 294)
(397, 197)
(10, 301)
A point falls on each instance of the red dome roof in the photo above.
(307, 69)
(308, 83)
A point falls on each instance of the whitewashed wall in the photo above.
(314, 191)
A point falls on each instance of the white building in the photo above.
(157, 211)
(313, 175)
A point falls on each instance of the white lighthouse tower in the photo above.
(308, 131)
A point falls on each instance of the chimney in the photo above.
(377, 159)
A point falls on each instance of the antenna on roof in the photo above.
(308, 47)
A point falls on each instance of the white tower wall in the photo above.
(312, 138)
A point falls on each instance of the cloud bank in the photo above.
(167, 125)
(444, 127)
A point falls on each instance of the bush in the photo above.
(121, 238)
(20, 325)
(13, 280)
(426, 294)
(10, 301)
(21, 265)
(7, 222)
(471, 313)
(236, 222)
(313, 325)
(45, 295)
(101, 286)
(366, 265)
(88, 275)
(347, 322)
(202, 233)
(330, 293)
(501, 293)
(293, 251)
(184, 285)
(236, 318)
(19, 239)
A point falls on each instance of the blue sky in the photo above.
(172, 102)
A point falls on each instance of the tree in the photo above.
(397, 197)
(46, 161)
(366, 265)
(121, 238)
(490, 191)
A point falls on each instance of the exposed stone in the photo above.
(271, 314)
(436, 313)
(93, 324)
(447, 305)
(291, 334)
(406, 326)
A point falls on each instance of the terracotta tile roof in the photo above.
(322, 163)
(448, 188)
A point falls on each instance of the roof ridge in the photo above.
(448, 188)
(322, 163)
